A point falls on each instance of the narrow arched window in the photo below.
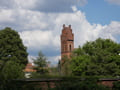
(70, 48)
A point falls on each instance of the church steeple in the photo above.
(67, 41)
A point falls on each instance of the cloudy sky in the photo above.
(39, 22)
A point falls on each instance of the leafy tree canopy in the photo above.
(65, 66)
(11, 47)
(13, 56)
(12, 70)
(41, 63)
(40, 60)
(100, 58)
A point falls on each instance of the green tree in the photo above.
(100, 58)
(41, 63)
(12, 70)
(66, 67)
(11, 48)
(116, 85)
(13, 56)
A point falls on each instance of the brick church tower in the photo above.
(67, 41)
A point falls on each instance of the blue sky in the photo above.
(39, 22)
(100, 11)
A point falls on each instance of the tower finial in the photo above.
(63, 25)
(70, 26)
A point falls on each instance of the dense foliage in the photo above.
(97, 58)
(65, 67)
(13, 56)
(12, 70)
(11, 47)
(74, 84)
(41, 63)
(116, 85)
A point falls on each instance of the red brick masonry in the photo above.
(107, 82)
(67, 41)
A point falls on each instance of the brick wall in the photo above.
(51, 83)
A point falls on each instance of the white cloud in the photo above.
(28, 4)
(74, 8)
(30, 58)
(13, 4)
(7, 4)
(113, 28)
(57, 5)
(38, 39)
(41, 31)
(82, 29)
(42, 5)
(6, 16)
(117, 2)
